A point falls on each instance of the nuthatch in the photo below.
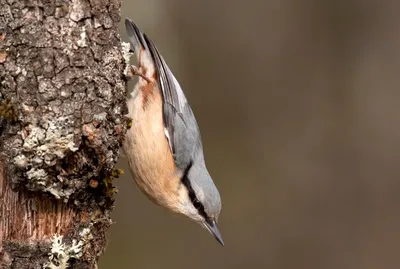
(164, 147)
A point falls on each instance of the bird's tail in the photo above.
(140, 47)
(135, 36)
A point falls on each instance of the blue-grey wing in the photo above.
(181, 127)
(186, 139)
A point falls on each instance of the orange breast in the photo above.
(146, 147)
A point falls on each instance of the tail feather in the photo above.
(135, 36)
(141, 49)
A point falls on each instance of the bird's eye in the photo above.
(197, 204)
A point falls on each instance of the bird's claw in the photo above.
(136, 72)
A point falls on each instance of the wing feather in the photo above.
(173, 101)
(181, 129)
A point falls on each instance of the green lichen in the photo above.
(109, 189)
(105, 188)
(116, 173)
(129, 123)
(8, 111)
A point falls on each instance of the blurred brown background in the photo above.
(298, 103)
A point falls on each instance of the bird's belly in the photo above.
(146, 147)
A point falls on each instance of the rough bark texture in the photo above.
(62, 106)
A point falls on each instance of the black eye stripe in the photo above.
(192, 195)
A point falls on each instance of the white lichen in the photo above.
(82, 41)
(80, 10)
(39, 175)
(100, 117)
(21, 161)
(66, 31)
(97, 24)
(52, 141)
(35, 137)
(55, 191)
(127, 56)
(60, 253)
(84, 232)
(59, 192)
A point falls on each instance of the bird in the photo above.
(164, 146)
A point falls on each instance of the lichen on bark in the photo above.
(62, 82)
(63, 75)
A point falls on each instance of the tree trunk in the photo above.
(62, 123)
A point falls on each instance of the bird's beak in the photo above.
(212, 227)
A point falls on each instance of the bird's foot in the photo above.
(137, 72)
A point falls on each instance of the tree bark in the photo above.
(62, 124)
